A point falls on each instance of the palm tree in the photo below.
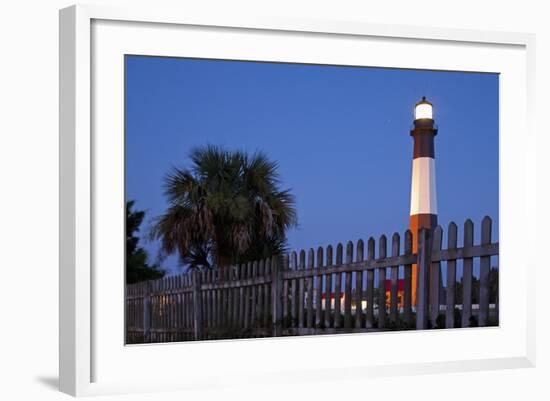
(226, 209)
(137, 267)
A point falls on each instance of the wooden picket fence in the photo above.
(300, 294)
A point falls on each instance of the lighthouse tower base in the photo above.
(417, 222)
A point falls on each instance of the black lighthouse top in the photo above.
(424, 129)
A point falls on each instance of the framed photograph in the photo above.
(290, 197)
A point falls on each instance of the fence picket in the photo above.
(467, 275)
(328, 290)
(228, 298)
(370, 287)
(267, 293)
(423, 266)
(484, 268)
(451, 279)
(407, 284)
(276, 281)
(253, 297)
(294, 290)
(394, 289)
(359, 286)
(211, 277)
(247, 303)
(347, 288)
(319, 289)
(238, 315)
(190, 306)
(338, 289)
(301, 290)
(147, 311)
(310, 317)
(382, 284)
(173, 308)
(197, 306)
(261, 295)
(435, 277)
(236, 318)
(286, 292)
(177, 322)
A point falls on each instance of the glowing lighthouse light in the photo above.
(423, 110)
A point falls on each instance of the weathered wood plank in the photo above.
(382, 284)
(361, 266)
(226, 298)
(235, 313)
(147, 311)
(214, 294)
(319, 290)
(393, 277)
(183, 324)
(442, 255)
(205, 310)
(407, 285)
(197, 306)
(276, 302)
(484, 268)
(261, 296)
(247, 303)
(310, 318)
(359, 286)
(370, 286)
(165, 307)
(423, 266)
(497, 305)
(268, 294)
(179, 322)
(190, 307)
(451, 279)
(222, 299)
(286, 294)
(294, 290)
(159, 307)
(253, 297)
(467, 252)
(240, 274)
(175, 309)
(435, 277)
(328, 289)
(236, 317)
(209, 324)
(301, 290)
(338, 288)
(347, 288)
(467, 275)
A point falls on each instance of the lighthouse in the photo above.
(423, 188)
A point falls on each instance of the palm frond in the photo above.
(225, 209)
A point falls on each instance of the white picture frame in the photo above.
(84, 349)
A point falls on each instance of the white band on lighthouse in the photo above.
(423, 191)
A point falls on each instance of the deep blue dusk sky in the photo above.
(340, 136)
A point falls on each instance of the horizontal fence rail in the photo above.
(351, 288)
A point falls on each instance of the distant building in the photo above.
(400, 297)
(400, 293)
(332, 299)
